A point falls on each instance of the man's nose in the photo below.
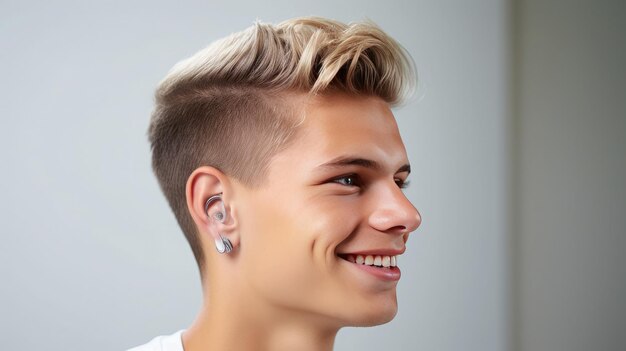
(392, 212)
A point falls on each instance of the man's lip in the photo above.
(375, 252)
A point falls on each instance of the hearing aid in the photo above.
(222, 245)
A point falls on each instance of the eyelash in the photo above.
(357, 182)
(403, 184)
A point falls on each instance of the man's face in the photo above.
(333, 193)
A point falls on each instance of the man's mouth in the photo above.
(383, 267)
(380, 261)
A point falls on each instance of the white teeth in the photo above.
(370, 260)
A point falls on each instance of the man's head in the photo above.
(231, 106)
(292, 125)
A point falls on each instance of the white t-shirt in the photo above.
(172, 342)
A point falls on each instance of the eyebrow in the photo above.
(345, 161)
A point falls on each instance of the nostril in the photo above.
(398, 229)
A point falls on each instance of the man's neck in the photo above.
(243, 323)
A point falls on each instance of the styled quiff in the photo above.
(229, 106)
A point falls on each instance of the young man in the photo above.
(282, 161)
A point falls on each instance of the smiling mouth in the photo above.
(379, 261)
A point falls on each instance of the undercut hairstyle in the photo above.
(231, 105)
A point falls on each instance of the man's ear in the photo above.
(209, 183)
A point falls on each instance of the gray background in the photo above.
(516, 138)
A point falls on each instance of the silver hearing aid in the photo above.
(223, 245)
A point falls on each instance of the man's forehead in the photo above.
(348, 126)
(350, 121)
(348, 116)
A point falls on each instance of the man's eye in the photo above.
(348, 180)
(402, 184)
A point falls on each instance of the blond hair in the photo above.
(228, 106)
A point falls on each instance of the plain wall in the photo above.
(91, 256)
(570, 222)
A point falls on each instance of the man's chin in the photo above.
(375, 315)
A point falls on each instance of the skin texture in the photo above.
(336, 189)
